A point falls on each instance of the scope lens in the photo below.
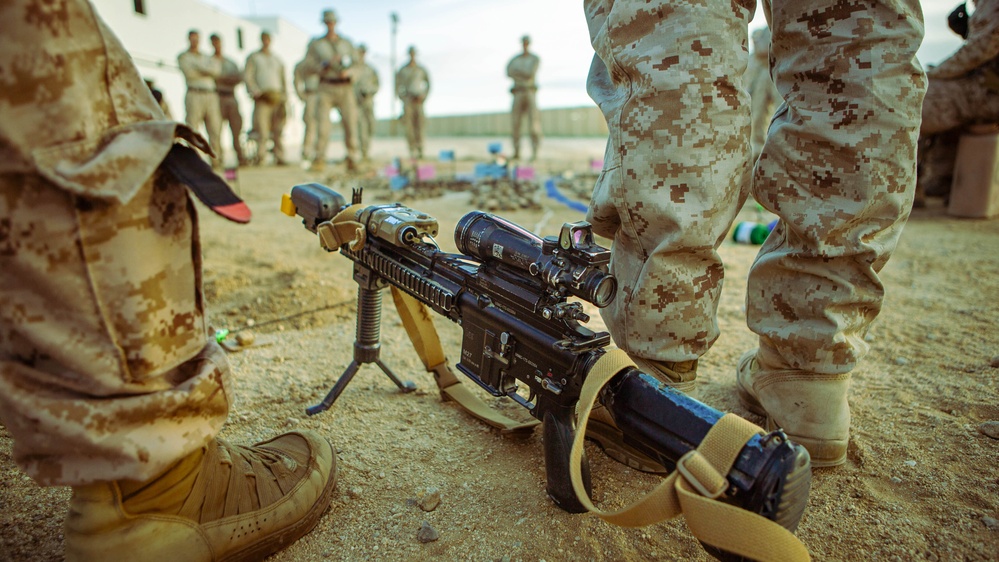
(604, 291)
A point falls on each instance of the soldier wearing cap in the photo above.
(523, 69)
(230, 77)
(202, 101)
(331, 58)
(365, 86)
(265, 81)
(412, 84)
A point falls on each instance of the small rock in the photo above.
(910, 463)
(291, 422)
(245, 338)
(251, 322)
(427, 533)
(355, 492)
(429, 499)
(990, 428)
(994, 362)
(896, 480)
(901, 361)
(991, 523)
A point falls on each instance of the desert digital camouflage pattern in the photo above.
(964, 88)
(838, 167)
(104, 369)
(763, 95)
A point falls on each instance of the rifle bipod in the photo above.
(367, 341)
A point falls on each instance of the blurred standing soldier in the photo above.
(963, 90)
(202, 100)
(266, 83)
(412, 84)
(522, 69)
(763, 95)
(307, 89)
(331, 57)
(365, 86)
(226, 84)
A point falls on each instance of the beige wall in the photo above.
(563, 122)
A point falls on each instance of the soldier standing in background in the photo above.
(763, 95)
(412, 84)
(331, 57)
(523, 69)
(307, 89)
(365, 86)
(266, 83)
(201, 103)
(963, 90)
(226, 84)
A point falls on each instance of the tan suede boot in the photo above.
(811, 408)
(602, 430)
(223, 502)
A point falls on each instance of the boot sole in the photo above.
(283, 538)
(794, 495)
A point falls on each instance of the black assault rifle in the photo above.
(509, 290)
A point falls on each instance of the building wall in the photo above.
(156, 38)
(560, 122)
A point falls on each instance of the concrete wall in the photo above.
(156, 38)
(561, 122)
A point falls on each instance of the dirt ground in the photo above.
(921, 481)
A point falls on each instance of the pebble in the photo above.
(910, 463)
(995, 361)
(355, 492)
(896, 480)
(991, 523)
(428, 499)
(901, 361)
(291, 422)
(427, 533)
(990, 428)
(245, 338)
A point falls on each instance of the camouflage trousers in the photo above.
(950, 104)
(268, 125)
(311, 122)
(342, 97)
(414, 121)
(365, 122)
(525, 106)
(838, 168)
(104, 369)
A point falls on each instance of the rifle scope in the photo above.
(577, 267)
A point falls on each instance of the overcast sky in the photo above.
(466, 44)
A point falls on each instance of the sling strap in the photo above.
(692, 489)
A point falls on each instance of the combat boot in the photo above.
(811, 408)
(680, 375)
(223, 502)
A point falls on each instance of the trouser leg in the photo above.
(534, 123)
(838, 168)
(213, 123)
(676, 166)
(279, 117)
(516, 117)
(324, 103)
(347, 104)
(104, 369)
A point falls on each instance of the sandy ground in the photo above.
(921, 481)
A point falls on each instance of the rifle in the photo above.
(510, 290)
